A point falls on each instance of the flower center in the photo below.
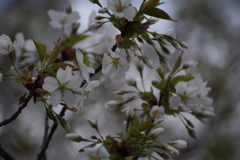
(119, 7)
(115, 62)
(7, 47)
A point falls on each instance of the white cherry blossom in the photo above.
(62, 87)
(122, 8)
(83, 69)
(6, 45)
(186, 96)
(114, 66)
(63, 20)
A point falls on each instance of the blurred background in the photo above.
(210, 28)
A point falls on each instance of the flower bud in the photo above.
(178, 144)
(92, 123)
(207, 114)
(182, 43)
(130, 80)
(189, 64)
(95, 25)
(99, 17)
(68, 7)
(103, 10)
(112, 105)
(170, 149)
(156, 132)
(74, 137)
(146, 61)
(129, 111)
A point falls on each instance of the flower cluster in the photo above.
(62, 77)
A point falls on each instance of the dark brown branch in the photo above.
(4, 154)
(45, 135)
(53, 129)
(27, 99)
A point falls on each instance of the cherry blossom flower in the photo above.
(114, 66)
(24, 50)
(202, 91)
(83, 69)
(6, 45)
(122, 8)
(186, 96)
(63, 20)
(62, 87)
(98, 152)
(82, 93)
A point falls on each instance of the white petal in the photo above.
(55, 98)
(73, 17)
(50, 84)
(69, 98)
(64, 76)
(74, 83)
(92, 85)
(111, 6)
(129, 13)
(109, 71)
(181, 87)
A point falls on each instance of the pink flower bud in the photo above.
(103, 10)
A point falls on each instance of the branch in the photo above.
(5, 154)
(45, 135)
(53, 129)
(26, 100)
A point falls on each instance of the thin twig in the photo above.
(4, 154)
(53, 129)
(26, 100)
(45, 135)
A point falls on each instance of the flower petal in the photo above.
(50, 84)
(69, 98)
(55, 98)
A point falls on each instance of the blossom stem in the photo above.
(50, 135)
(11, 57)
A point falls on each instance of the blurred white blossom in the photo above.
(6, 45)
(122, 8)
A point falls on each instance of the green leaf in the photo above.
(146, 125)
(149, 5)
(161, 73)
(54, 55)
(176, 65)
(158, 13)
(41, 49)
(182, 78)
(74, 39)
(131, 28)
